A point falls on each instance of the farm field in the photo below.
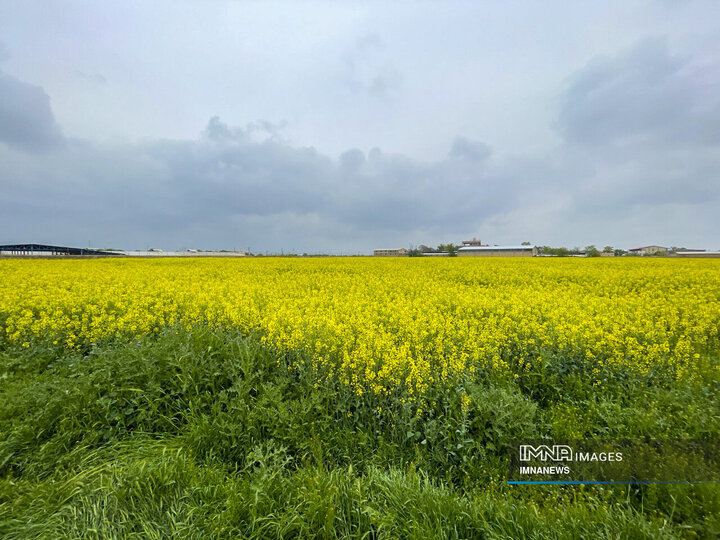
(347, 397)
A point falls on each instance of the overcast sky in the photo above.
(345, 126)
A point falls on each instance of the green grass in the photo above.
(206, 434)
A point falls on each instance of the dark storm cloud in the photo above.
(26, 119)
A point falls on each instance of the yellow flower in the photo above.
(380, 325)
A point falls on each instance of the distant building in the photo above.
(698, 254)
(188, 253)
(473, 242)
(402, 252)
(648, 250)
(42, 250)
(607, 254)
(497, 251)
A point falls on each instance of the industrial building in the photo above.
(187, 253)
(497, 251)
(402, 252)
(472, 243)
(42, 250)
(649, 250)
(698, 254)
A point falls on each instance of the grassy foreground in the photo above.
(206, 434)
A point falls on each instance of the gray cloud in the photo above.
(644, 95)
(164, 190)
(26, 119)
(642, 131)
(637, 161)
(463, 147)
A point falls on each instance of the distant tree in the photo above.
(426, 249)
(591, 251)
(526, 244)
(608, 249)
(415, 252)
(557, 252)
(619, 252)
(450, 249)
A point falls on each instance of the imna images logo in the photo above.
(563, 452)
(543, 452)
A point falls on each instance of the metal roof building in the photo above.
(497, 251)
(699, 254)
(648, 250)
(43, 250)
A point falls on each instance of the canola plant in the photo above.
(380, 325)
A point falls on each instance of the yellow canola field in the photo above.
(384, 324)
